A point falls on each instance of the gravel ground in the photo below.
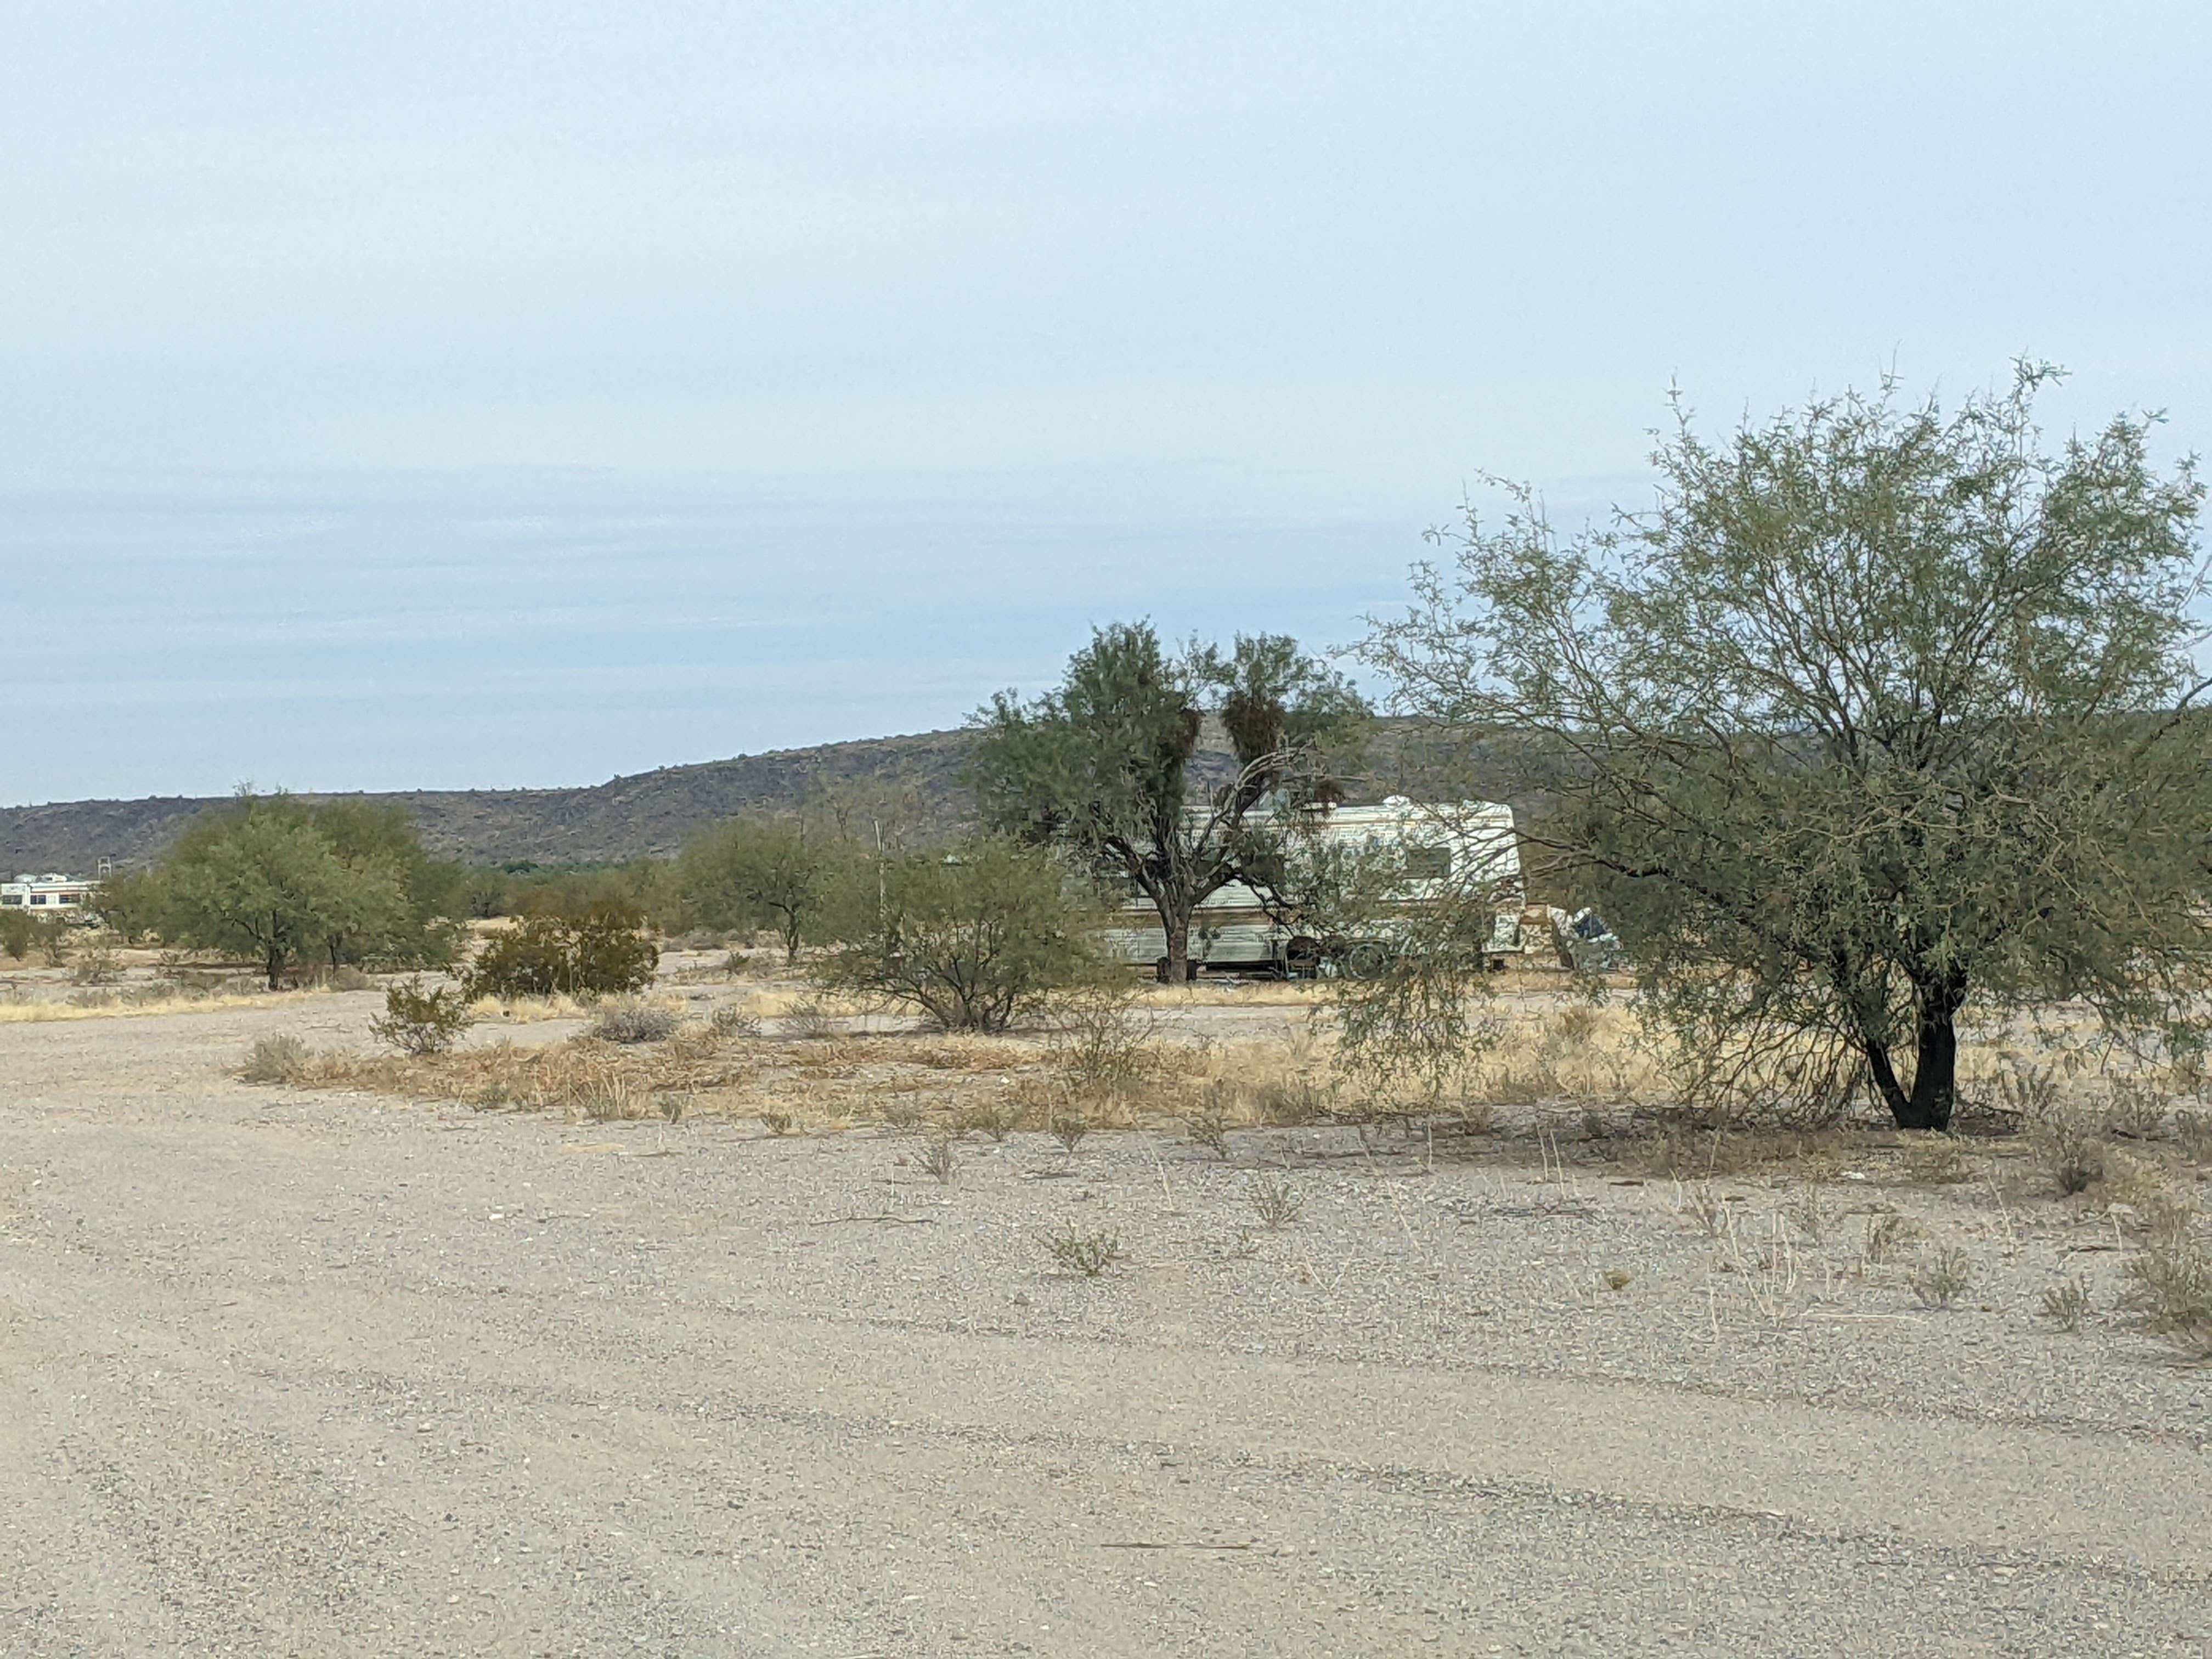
(289, 1372)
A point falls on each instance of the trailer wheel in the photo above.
(1366, 960)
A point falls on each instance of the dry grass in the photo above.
(633, 1019)
(131, 1007)
(527, 1011)
(1942, 1276)
(2170, 1285)
(2071, 1153)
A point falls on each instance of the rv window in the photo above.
(38, 898)
(1428, 863)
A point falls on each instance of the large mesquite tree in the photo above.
(1882, 717)
(1101, 765)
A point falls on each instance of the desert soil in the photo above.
(300, 1372)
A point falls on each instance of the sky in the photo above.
(475, 395)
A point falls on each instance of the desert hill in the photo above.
(623, 818)
(650, 812)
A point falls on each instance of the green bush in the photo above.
(602, 952)
(420, 1022)
(975, 937)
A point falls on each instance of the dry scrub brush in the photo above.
(1087, 1253)
(420, 1022)
(632, 1019)
(2170, 1284)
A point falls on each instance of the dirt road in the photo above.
(285, 1373)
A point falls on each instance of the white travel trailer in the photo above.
(1234, 932)
(50, 894)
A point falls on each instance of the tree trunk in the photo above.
(275, 967)
(1935, 1078)
(1175, 967)
(1936, 1062)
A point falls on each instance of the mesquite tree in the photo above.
(1881, 718)
(1101, 765)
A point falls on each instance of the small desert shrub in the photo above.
(281, 1058)
(633, 1021)
(809, 1019)
(420, 1022)
(1936, 1160)
(1618, 1278)
(731, 1021)
(1068, 1128)
(1297, 1100)
(1940, 1276)
(2141, 1185)
(995, 1118)
(97, 966)
(2194, 1130)
(347, 977)
(1806, 1214)
(2170, 1285)
(2136, 1109)
(2066, 1303)
(1274, 1201)
(1101, 1038)
(1209, 1124)
(2029, 1091)
(941, 1159)
(2068, 1151)
(903, 1111)
(1890, 1237)
(1704, 1206)
(776, 1123)
(607, 1095)
(672, 1106)
(1088, 1254)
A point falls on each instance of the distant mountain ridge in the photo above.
(649, 812)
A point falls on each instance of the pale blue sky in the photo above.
(477, 394)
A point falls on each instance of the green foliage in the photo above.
(602, 952)
(130, 903)
(17, 933)
(260, 877)
(977, 936)
(290, 882)
(1087, 1253)
(421, 1022)
(525, 887)
(1101, 765)
(1879, 716)
(782, 873)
